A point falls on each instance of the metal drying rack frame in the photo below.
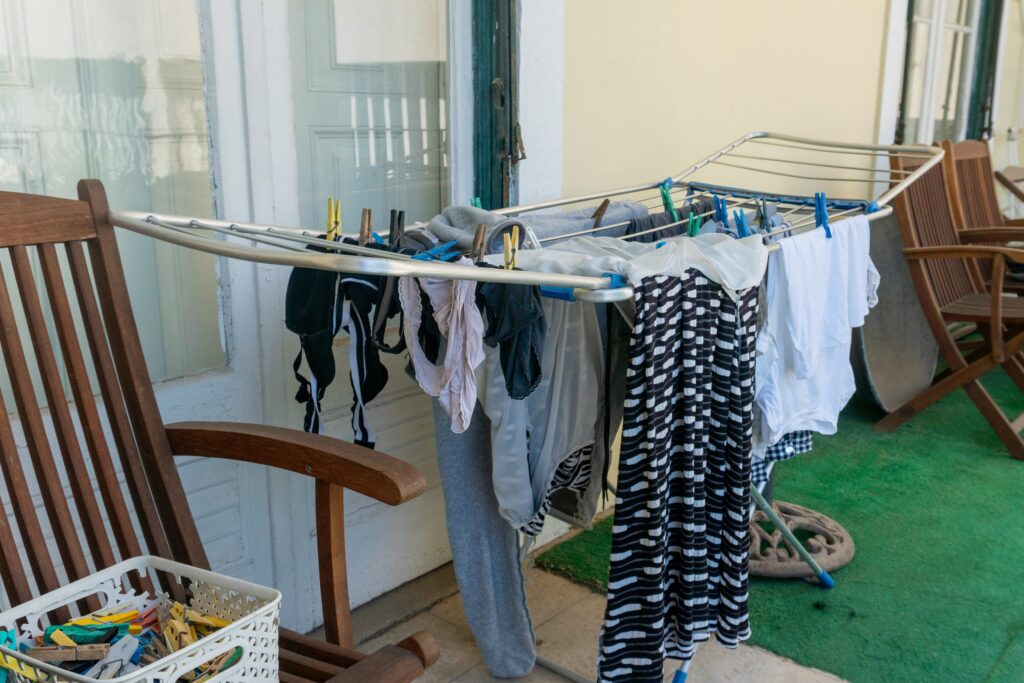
(286, 246)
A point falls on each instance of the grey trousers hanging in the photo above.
(485, 550)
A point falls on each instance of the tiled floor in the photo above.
(566, 620)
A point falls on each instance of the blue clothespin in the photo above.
(721, 210)
(740, 219)
(442, 252)
(666, 198)
(821, 213)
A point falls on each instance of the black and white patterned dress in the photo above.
(681, 539)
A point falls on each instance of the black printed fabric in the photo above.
(681, 539)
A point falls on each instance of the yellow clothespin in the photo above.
(515, 246)
(61, 638)
(330, 218)
(506, 244)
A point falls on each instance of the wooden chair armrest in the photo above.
(989, 235)
(987, 252)
(1014, 222)
(1009, 177)
(371, 473)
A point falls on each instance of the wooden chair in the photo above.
(968, 169)
(35, 226)
(944, 269)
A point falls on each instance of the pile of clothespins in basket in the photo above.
(119, 640)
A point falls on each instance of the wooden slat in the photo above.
(292, 678)
(35, 219)
(88, 415)
(130, 363)
(330, 543)
(113, 402)
(11, 570)
(307, 667)
(308, 646)
(42, 459)
(63, 427)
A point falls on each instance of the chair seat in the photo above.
(978, 308)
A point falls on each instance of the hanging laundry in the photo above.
(644, 228)
(459, 223)
(543, 438)
(515, 324)
(485, 549)
(462, 328)
(790, 445)
(680, 541)
(318, 304)
(818, 290)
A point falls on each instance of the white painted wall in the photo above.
(541, 85)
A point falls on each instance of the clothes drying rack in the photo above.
(789, 158)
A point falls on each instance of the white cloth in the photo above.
(818, 290)
(531, 437)
(459, 320)
(733, 263)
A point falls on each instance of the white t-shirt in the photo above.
(818, 290)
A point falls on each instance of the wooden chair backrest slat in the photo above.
(926, 220)
(968, 168)
(85, 402)
(65, 323)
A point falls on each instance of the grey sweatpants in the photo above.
(485, 551)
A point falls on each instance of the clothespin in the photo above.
(442, 252)
(506, 243)
(739, 217)
(392, 226)
(476, 203)
(366, 227)
(515, 246)
(400, 226)
(599, 214)
(478, 243)
(691, 228)
(721, 210)
(666, 198)
(334, 219)
(821, 213)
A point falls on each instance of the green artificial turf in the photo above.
(936, 589)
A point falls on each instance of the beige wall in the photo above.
(651, 87)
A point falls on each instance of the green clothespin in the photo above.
(691, 227)
(9, 639)
(666, 199)
(476, 203)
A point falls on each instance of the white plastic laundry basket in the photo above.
(251, 609)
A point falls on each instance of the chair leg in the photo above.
(937, 391)
(1015, 370)
(991, 412)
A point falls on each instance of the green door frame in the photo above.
(497, 143)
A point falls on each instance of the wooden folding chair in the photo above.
(36, 227)
(943, 264)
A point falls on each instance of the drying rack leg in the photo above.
(824, 577)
